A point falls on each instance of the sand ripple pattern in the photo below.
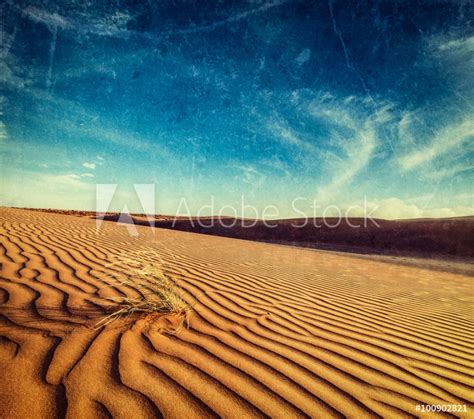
(275, 331)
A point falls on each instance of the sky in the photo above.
(285, 103)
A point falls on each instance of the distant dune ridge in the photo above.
(424, 237)
(274, 331)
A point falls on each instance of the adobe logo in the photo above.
(144, 195)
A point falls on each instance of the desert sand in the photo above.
(274, 331)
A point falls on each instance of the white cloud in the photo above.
(51, 20)
(395, 208)
(114, 24)
(404, 129)
(87, 175)
(100, 158)
(91, 166)
(443, 142)
(460, 45)
(303, 57)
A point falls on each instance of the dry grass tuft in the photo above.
(157, 294)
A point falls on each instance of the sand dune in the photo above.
(445, 237)
(275, 331)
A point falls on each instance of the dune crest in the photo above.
(274, 331)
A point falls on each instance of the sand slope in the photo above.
(275, 331)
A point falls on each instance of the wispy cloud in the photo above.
(6, 42)
(3, 128)
(404, 130)
(288, 136)
(115, 24)
(67, 179)
(450, 171)
(91, 166)
(83, 122)
(354, 136)
(454, 57)
(458, 45)
(250, 174)
(51, 20)
(276, 164)
(3, 131)
(334, 139)
(303, 57)
(443, 142)
(230, 19)
(356, 156)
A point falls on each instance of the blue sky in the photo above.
(335, 101)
